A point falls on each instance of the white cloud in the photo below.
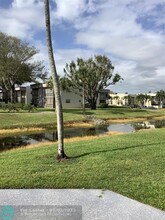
(112, 27)
(67, 55)
(23, 18)
(69, 10)
(13, 27)
(25, 4)
(115, 30)
(62, 56)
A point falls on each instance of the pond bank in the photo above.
(66, 140)
(76, 124)
(74, 132)
(121, 120)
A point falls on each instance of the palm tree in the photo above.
(59, 112)
(116, 98)
(143, 98)
(160, 96)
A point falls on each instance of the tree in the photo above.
(160, 96)
(17, 65)
(58, 103)
(142, 98)
(126, 100)
(88, 77)
(132, 101)
(116, 98)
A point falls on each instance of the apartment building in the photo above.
(38, 95)
(103, 96)
(23, 94)
(42, 96)
(118, 99)
(125, 99)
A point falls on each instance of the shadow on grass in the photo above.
(115, 149)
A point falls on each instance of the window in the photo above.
(67, 100)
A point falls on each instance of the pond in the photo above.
(51, 135)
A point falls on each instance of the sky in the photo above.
(130, 32)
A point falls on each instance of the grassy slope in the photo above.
(131, 164)
(47, 118)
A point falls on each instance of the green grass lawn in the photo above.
(131, 164)
(48, 118)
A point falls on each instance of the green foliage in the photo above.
(89, 77)
(16, 107)
(16, 65)
(10, 107)
(29, 107)
(103, 105)
(142, 98)
(3, 106)
(160, 96)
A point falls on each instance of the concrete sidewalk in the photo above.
(81, 203)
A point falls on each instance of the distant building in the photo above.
(125, 99)
(39, 98)
(152, 102)
(71, 100)
(118, 99)
(23, 94)
(42, 96)
(103, 96)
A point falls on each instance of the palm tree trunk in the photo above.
(56, 87)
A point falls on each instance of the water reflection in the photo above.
(124, 128)
(20, 140)
(49, 135)
(12, 142)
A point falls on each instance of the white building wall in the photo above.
(148, 103)
(71, 100)
(118, 99)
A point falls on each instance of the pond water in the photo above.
(51, 135)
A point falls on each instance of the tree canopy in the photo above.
(17, 65)
(88, 77)
(160, 96)
(142, 98)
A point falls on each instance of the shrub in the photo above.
(3, 106)
(16, 107)
(12, 107)
(103, 105)
(28, 107)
